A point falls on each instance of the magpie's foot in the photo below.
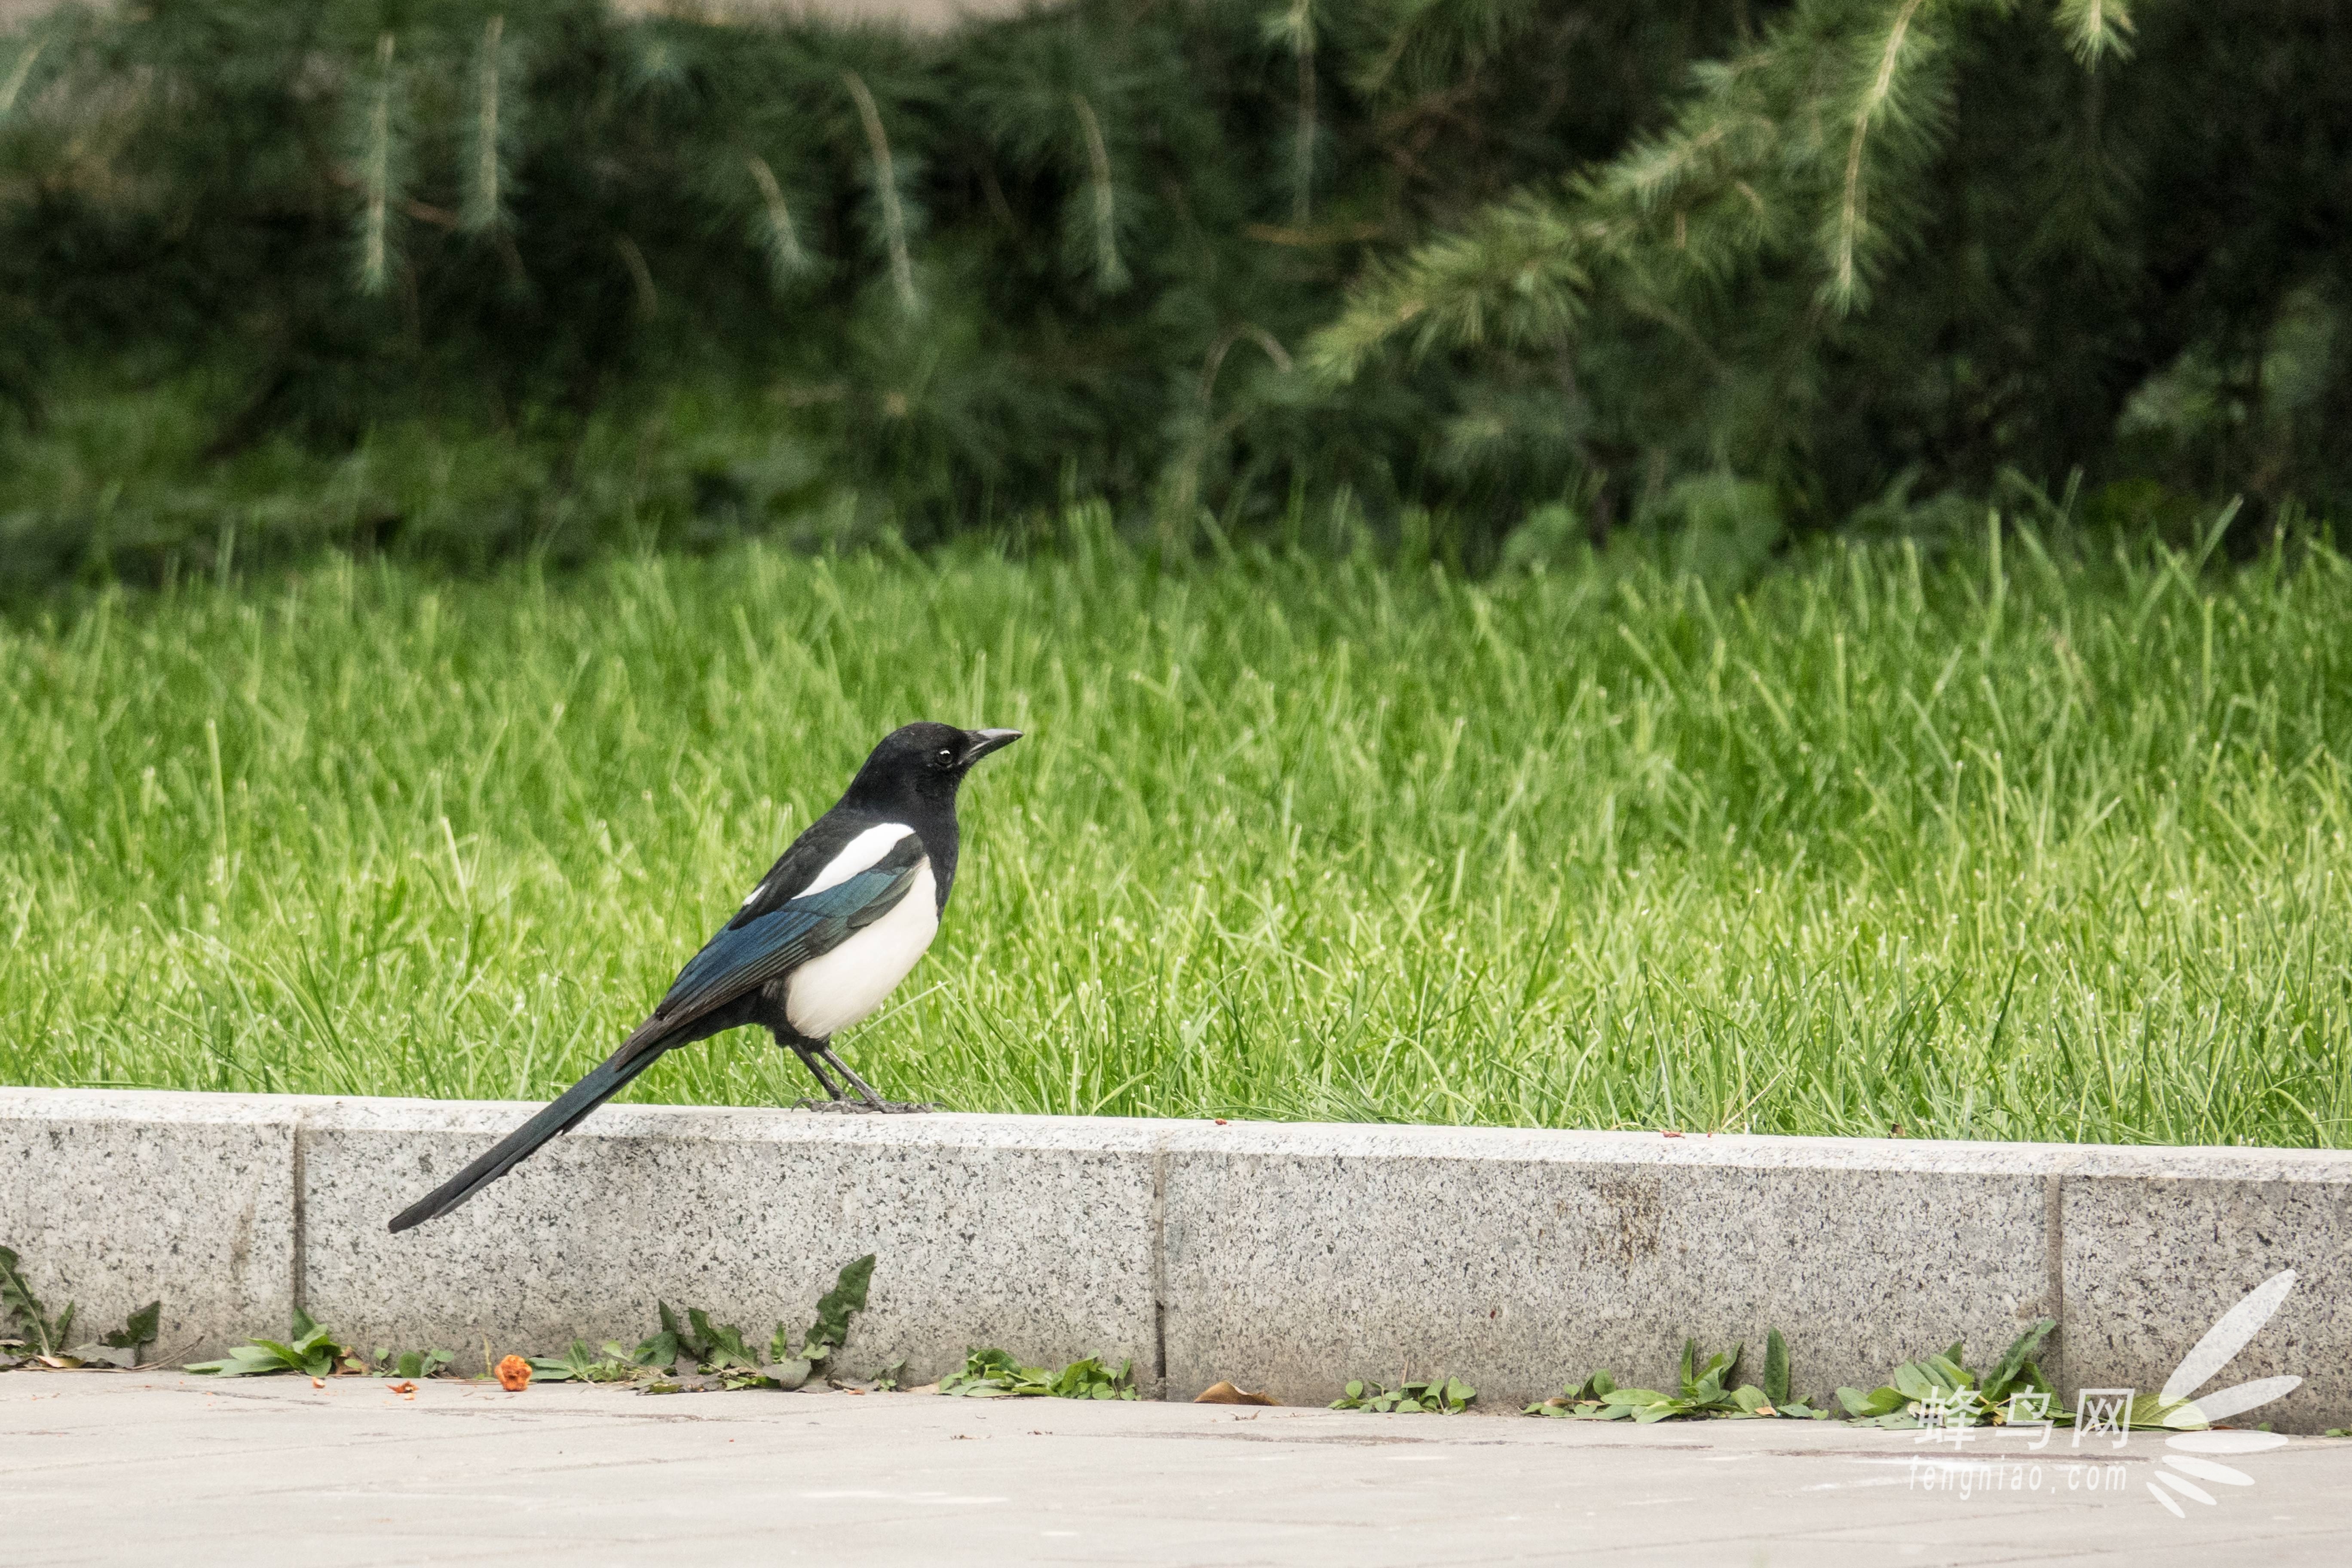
(860, 1108)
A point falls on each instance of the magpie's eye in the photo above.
(947, 753)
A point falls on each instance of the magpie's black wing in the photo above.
(739, 959)
(747, 954)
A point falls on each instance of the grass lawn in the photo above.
(1984, 847)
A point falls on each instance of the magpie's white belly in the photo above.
(830, 994)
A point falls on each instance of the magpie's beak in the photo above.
(983, 742)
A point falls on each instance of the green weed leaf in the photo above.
(991, 1373)
(139, 1330)
(2015, 1360)
(837, 1306)
(31, 1317)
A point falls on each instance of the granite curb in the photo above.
(1288, 1257)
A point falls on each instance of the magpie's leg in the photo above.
(802, 1049)
(825, 1050)
(808, 1060)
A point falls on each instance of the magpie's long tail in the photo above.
(562, 1116)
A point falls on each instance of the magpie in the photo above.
(838, 921)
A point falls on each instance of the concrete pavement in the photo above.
(163, 1467)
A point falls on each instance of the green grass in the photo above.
(1987, 848)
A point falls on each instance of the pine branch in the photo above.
(19, 73)
(1439, 42)
(2095, 28)
(377, 173)
(1111, 272)
(1890, 60)
(648, 298)
(1296, 27)
(885, 190)
(491, 130)
(1517, 274)
(1698, 204)
(786, 260)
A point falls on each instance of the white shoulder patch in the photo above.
(857, 855)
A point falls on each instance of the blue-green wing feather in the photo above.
(742, 957)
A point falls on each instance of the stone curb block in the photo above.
(114, 1200)
(1283, 1256)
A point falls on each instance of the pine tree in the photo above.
(1858, 253)
(1742, 252)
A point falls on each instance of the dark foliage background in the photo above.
(461, 277)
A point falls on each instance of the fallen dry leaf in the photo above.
(1226, 1394)
(514, 1375)
(405, 1390)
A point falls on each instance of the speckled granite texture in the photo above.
(1519, 1274)
(112, 1201)
(1026, 1233)
(2151, 1261)
(1284, 1256)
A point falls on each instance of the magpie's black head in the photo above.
(924, 763)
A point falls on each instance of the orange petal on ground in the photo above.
(1226, 1394)
(514, 1375)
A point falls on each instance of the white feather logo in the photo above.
(2182, 1468)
